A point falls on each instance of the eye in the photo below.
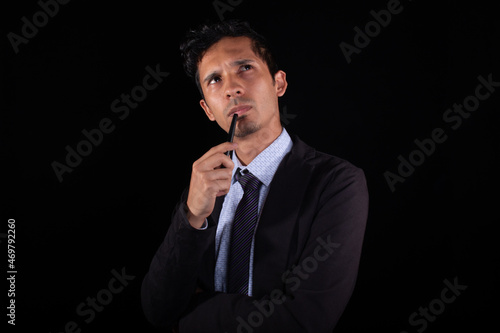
(245, 68)
(214, 79)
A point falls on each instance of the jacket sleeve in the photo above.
(171, 281)
(316, 289)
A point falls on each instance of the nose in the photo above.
(233, 88)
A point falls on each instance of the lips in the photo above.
(239, 110)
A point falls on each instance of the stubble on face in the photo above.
(245, 127)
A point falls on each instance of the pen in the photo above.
(231, 134)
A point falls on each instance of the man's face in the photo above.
(235, 80)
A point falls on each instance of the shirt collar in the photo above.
(264, 165)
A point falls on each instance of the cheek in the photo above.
(214, 104)
(266, 95)
(217, 110)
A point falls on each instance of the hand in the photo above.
(210, 178)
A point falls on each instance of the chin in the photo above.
(245, 128)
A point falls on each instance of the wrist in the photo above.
(195, 221)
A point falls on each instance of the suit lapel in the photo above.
(274, 238)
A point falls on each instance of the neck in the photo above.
(252, 145)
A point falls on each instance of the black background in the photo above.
(113, 210)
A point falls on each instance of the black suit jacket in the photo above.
(307, 249)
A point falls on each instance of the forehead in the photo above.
(226, 51)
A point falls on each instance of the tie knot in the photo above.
(247, 180)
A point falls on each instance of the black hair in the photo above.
(198, 41)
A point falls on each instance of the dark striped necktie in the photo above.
(242, 232)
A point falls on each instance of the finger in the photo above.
(217, 187)
(221, 148)
(215, 161)
(221, 193)
(224, 187)
(219, 174)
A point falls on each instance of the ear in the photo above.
(280, 83)
(207, 110)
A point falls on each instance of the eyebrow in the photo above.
(235, 63)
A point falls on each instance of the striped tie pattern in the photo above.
(243, 228)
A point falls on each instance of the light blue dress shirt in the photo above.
(263, 166)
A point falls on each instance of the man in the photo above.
(270, 239)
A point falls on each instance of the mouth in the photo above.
(239, 110)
